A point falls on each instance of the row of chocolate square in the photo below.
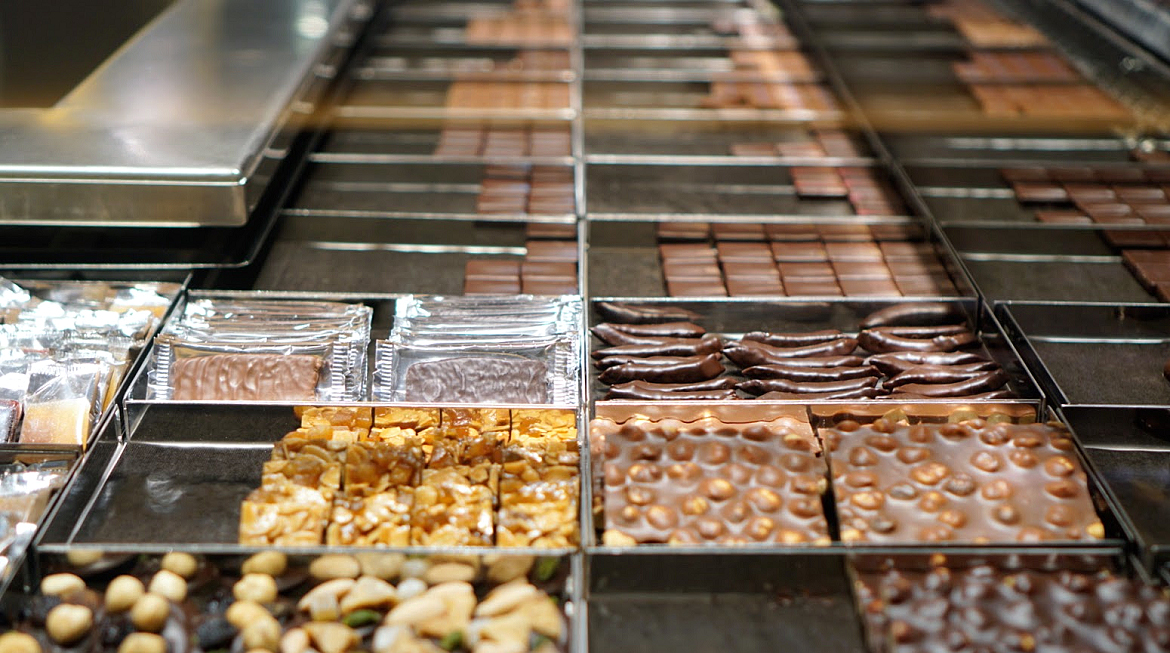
(498, 141)
(519, 189)
(849, 268)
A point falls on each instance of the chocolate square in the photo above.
(793, 252)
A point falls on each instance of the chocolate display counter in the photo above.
(590, 325)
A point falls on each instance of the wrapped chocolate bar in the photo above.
(516, 371)
(252, 350)
(520, 350)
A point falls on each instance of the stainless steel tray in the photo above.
(1094, 354)
(332, 251)
(734, 603)
(410, 141)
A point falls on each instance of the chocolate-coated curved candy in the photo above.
(717, 383)
(622, 359)
(938, 374)
(798, 373)
(611, 336)
(922, 331)
(708, 344)
(640, 314)
(914, 314)
(747, 353)
(825, 361)
(763, 386)
(982, 396)
(880, 342)
(664, 330)
(899, 361)
(863, 393)
(653, 391)
(985, 382)
(793, 339)
(661, 369)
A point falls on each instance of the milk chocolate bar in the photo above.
(246, 377)
(970, 482)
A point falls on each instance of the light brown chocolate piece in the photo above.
(246, 377)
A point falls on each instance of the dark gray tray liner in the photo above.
(1116, 373)
(732, 603)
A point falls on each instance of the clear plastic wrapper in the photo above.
(63, 402)
(193, 371)
(24, 491)
(514, 349)
(256, 350)
(556, 308)
(534, 371)
(64, 348)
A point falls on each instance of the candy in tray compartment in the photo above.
(453, 506)
(539, 493)
(710, 482)
(375, 508)
(501, 350)
(1006, 606)
(286, 515)
(970, 482)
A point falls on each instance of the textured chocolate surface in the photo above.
(971, 482)
(246, 377)
(707, 482)
(478, 379)
(985, 608)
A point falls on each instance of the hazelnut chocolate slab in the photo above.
(970, 482)
(710, 482)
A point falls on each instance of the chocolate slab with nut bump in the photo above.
(989, 608)
(970, 482)
(711, 482)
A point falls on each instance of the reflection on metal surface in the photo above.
(174, 128)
